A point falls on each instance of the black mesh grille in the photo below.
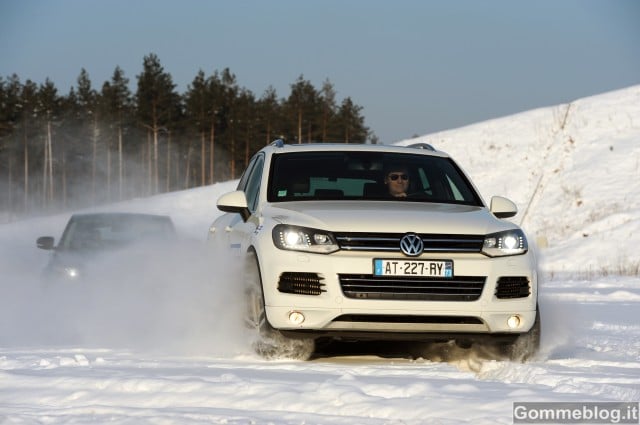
(300, 283)
(388, 318)
(390, 242)
(513, 287)
(459, 288)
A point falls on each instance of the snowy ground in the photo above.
(166, 349)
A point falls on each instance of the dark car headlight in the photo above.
(65, 271)
(296, 238)
(510, 242)
(72, 272)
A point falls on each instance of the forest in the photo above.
(93, 146)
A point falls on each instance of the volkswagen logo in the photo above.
(411, 245)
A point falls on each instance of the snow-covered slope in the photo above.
(167, 349)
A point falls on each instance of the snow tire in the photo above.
(266, 341)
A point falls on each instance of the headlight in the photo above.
(71, 272)
(67, 272)
(511, 242)
(296, 238)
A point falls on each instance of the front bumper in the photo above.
(331, 313)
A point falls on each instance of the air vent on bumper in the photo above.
(513, 287)
(301, 283)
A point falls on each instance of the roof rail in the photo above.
(426, 146)
(278, 143)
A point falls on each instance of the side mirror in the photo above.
(234, 202)
(503, 207)
(45, 242)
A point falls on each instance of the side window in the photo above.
(242, 185)
(253, 183)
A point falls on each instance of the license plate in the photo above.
(422, 268)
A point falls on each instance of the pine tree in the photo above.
(352, 122)
(229, 115)
(268, 111)
(6, 157)
(216, 96)
(87, 99)
(117, 109)
(328, 99)
(198, 112)
(303, 105)
(49, 107)
(246, 113)
(10, 112)
(28, 128)
(158, 104)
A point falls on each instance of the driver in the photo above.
(397, 181)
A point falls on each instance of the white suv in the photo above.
(330, 252)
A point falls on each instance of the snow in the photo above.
(167, 347)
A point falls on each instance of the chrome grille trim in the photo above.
(390, 242)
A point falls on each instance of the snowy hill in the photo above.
(166, 349)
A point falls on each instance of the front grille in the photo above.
(301, 283)
(459, 288)
(390, 242)
(513, 287)
(392, 318)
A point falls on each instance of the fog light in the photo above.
(296, 317)
(513, 322)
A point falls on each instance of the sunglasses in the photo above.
(395, 177)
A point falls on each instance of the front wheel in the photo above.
(266, 341)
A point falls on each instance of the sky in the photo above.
(416, 67)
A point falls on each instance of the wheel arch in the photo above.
(251, 254)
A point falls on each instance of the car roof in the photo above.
(419, 148)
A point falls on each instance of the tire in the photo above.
(266, 341)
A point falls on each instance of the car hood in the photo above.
(73, 257)
(387, 216)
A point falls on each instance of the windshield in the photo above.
(105, 231)
(368, 176)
